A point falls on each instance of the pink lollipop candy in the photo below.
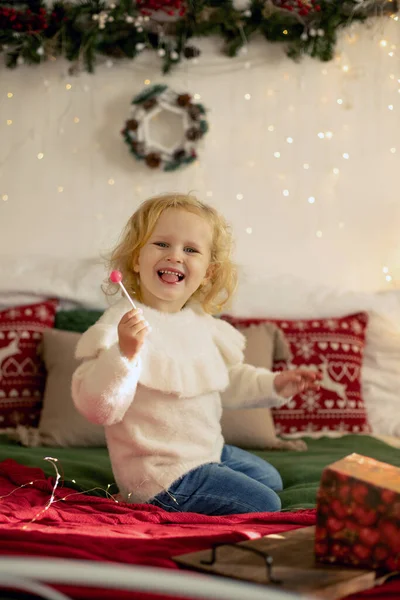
(116, 277)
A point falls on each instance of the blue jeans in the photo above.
(241, 483)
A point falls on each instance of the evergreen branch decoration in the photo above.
(32, 31)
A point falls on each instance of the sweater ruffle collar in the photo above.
(188, 353)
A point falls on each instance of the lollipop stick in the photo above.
(126, 293)
(116, 277)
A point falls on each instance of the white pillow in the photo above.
(294, 298)
(76, 282)
(380, 375)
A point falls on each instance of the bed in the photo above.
(84, 523)
(91, 469)
(57, 494)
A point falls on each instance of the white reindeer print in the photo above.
(327, 382)
(9, 350)
(330, 384)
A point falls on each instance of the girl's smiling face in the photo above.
(175, 260)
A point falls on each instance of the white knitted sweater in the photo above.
(162, 414)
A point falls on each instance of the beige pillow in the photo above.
(60, 423)
(253, 428)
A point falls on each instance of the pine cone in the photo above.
(179, 154)
(183, 99)
(191, 52)
(194, 112)
(116, 52)
(193, 134)
(132, 124)
(149, 104)
(138, 147)
(153, 160)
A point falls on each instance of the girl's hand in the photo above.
(132, 330)
(289, 383)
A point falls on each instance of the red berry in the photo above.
(365, 516)
(381, 553)
(388, 496)
(389, 530)
(340, 550)
(321, 548)
(334, 525)
(343, 492)
(350, 531)
(323, 508)
(391, 535)
(338, 509)
(369, 537)
(393, 563)
(359, 492)
(352, 525)
(361, 552)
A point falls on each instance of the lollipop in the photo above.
(116, 277)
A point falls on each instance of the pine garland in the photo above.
(83, 33)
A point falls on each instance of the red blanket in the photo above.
(92, 528)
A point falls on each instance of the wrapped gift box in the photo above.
(358, 514)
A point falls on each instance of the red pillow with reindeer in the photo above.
(335, 348)
(22, 374)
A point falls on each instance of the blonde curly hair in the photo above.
(218, 290)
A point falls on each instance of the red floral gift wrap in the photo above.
(358, 514)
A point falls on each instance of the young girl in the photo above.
(157, 377)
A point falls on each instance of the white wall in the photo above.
(65, 205)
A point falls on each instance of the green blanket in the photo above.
(301, 471)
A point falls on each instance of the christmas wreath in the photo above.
(137, 132)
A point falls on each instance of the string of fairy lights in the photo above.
(385, 45)
(59, 479)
